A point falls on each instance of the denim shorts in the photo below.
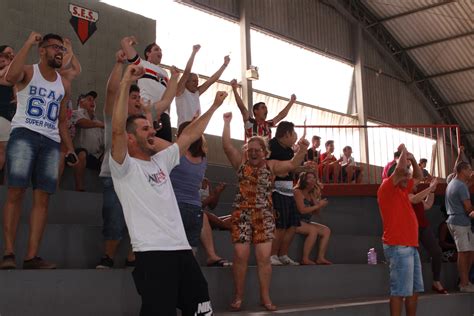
(405, 270)
(114, 227)
(192, 221)
(32, 158)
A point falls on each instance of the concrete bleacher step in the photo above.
(112, 292)
(428, 305)
(80, 246)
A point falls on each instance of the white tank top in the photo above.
(38, 105)
(187, 105)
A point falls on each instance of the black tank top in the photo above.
(7, 108)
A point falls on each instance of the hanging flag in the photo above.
(83, 21)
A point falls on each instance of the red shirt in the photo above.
(400, 226)
(420, 213)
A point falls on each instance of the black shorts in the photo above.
(354, 176)
(167, 280)
(286, 214)
(91, 161)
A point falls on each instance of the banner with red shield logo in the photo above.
(83, 21)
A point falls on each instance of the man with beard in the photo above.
(114, 227)
(166, 273)
(33, 149)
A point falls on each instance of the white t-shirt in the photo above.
(148, 201)
(348, 161)
(187, 106)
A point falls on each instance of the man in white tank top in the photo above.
(189, 90)
(33, 149)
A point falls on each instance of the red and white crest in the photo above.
(83, 21)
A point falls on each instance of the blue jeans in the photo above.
(32, 158)
(192, 221)
(114, 227)
(405, 270)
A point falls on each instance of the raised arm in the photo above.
(422, 195)
(234, 156)
(238, 100)
(202, 88)
(120, 113)
(62, 123)
(281, 168)
(283, 113)
(187, 71)
(127, 44)
(169, 94)
(195, 130)
(16, 70)
(113, 83)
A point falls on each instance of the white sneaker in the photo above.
(467, 288)
(288, 261)
(275, 261)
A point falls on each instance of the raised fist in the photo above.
(234, 84)
(220, 97)
(174, 71)
(227, 117)
(293, 98)
(34, 38)
(133, 73)
(196, 48)
(130, 40)
(226, 60)
(120, 56)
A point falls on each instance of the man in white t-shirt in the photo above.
(188, 105)
(153, 83)
(166, 273)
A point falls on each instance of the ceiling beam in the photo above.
(459, 103)
(441, 40)
(421, 9)
(446, 73)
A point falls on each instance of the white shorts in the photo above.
(463, 237)
(5, 126)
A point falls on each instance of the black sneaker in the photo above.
(8, 262)
(129, 264)
(38, 263)
(105, 263)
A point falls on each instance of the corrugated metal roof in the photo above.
(432, 24)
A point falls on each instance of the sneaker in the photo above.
(129, 264)
(105, 263)
(38, 263)
(8, 262)
(275, 261)
(288, 261)
(467, 288)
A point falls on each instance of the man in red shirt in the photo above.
(400, 234)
